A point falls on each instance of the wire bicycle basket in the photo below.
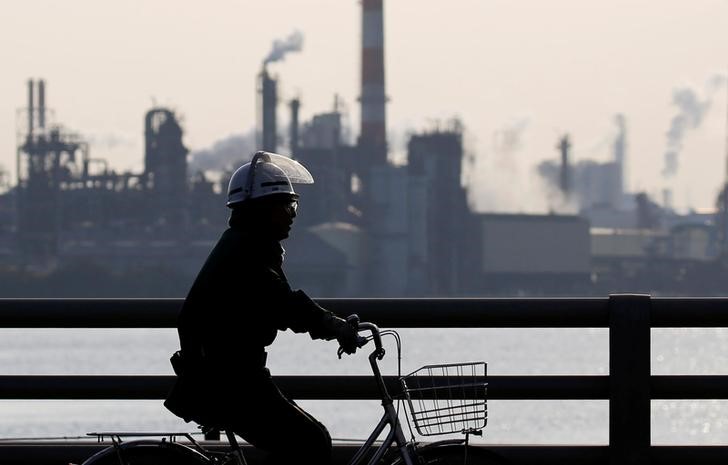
(448, 398)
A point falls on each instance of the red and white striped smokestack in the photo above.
(373, 99)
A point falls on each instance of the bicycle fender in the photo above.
(146, 451)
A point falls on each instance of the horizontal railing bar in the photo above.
(355, 387)
(679, 455)
(401, 313)
(477, 312)
(299, 387)
(89, 313)
(39, 452)
(673, 387)
(700, 312)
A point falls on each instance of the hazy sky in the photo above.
(545, 67)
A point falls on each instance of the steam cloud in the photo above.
(292, 43)
(691, 112)
(111, 141)
(225, 154)
(500, 180)
(509, 139)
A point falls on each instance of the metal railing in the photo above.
(629, 387)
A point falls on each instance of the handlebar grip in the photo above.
(353, 320)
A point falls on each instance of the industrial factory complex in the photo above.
(71, 226)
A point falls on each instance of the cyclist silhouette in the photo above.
(237, 304)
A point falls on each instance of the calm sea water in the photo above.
(507, 351)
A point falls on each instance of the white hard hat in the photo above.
(266, 174)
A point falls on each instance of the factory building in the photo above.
(165, 167)
(434, 160)
(516, 254)
(367, 227)
(330, 161)
(332, 238)
(72, 208)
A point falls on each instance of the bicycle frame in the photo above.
(389, 417)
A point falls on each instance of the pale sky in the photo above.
(549, 66)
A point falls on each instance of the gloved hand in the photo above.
(347, 335)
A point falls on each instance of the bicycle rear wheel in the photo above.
(454, 454)
(148, 453)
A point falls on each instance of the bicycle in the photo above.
(442, 399)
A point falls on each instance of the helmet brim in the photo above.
(296, 172)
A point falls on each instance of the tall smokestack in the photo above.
(31, 110)
(564, 178)
(295, 105)
(41, 104)
(373, 136)
(268, 95)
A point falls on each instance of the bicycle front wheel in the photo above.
(453, 454)
(148, 453)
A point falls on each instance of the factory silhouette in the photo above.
(73, 227)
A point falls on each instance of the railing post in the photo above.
(629, 379)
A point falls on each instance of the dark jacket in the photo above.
(237, 304)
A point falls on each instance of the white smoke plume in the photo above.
(110, 141)
(508, 141)
(292, 43)
(509, 138)
(501, 178)
(691, 112)
(225, 154)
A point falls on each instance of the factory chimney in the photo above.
(295, 105)
(267, 103)
(31, 109)
(41, 104)
(564, 178)
(373, 136)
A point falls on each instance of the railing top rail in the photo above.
(402, 313)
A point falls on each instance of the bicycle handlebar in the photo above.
(362, 341)
(376, 336)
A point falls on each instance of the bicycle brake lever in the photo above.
(360, 342)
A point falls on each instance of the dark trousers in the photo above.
(270, 421)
